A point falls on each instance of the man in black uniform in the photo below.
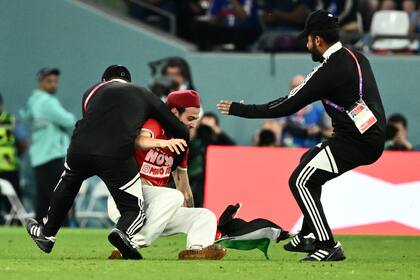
(103, 144)
(345, 83)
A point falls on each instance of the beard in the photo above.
(51, 91)
(316, 55)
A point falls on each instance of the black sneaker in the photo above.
(35, 231)
(121, 241)
(301, 243)
(335, 253)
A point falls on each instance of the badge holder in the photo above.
(359, 112)
(361, 116)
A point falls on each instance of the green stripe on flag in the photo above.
(260, 244)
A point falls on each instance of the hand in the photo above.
(401, 139)
(174, 145)
(224, 106)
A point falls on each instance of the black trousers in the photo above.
(320, 164)
(47, 176)
(122, 179)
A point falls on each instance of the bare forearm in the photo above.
(145, 143)
(183, 185)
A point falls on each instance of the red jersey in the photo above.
(156, 164)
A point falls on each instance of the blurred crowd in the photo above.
(43, 128)
(265, 25)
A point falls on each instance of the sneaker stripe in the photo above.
(323, 252)
(315, 257)
(293, 242)
(297, 238)
(319, 254)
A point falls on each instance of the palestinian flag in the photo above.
(241, 235)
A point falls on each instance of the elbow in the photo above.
(138, 144)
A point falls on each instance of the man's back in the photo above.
(112, 116)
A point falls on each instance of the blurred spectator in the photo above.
(162, 86)
(409, 6)
(366, 9)
(307, 127)
(346, 11)
(388, 5)
(187, 12)
(207, 133)
(266, 138)
(396, 134)
(283, 21)
(51, 127)
(149, 16)
(13, 143)
(271, 125)
(178, 70)
(231, 21)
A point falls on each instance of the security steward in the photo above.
(345, 84)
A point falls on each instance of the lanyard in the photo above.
(359, 70)
(92, 92)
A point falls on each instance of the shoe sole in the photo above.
(127, 252)
(334, 259)
(328, 260)
(205, 254)
(45, 250)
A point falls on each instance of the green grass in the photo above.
(81, 254)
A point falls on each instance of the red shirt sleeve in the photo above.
(154, 127)
(184, 163)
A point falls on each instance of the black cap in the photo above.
(46, 71)
(116, 71)
(320, 20)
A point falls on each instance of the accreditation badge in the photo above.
(362, 116)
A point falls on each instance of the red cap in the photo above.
(183, 99)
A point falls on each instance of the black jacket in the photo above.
(337, 80)
(113, 117)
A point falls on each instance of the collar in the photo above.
(337, 46)
(119, 80)
(40, 91)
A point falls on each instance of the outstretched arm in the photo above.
(312, 89)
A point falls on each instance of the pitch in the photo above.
(82, 254)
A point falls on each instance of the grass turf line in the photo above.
(82, 253)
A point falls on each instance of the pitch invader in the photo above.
(170, 211)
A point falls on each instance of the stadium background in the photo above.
(82, 41)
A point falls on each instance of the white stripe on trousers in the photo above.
(307, 206)
(310, 204)
(138, 222)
